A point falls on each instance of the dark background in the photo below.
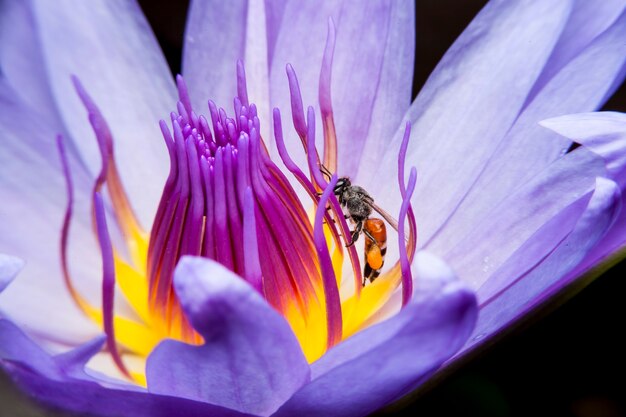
(568, 362)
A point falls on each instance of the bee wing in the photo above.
(388, 217)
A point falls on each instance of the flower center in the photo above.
(226, 200)
(203, 213)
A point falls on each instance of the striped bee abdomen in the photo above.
(375, 248)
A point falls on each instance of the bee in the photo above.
(359, 206)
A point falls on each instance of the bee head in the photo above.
(342, 184)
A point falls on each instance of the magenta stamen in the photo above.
(192, 237)
(238, 113)
(273, 268)
(208, 249)
(243, 170)
(67, 220)
(101, 136)
(284, 155)
(223, 117)
(331, 292)
(164, 206)
(345, 230)
(214, 117)
(220, 134)
(174, 234)
(243, 122)
(308, 186)
(183, 93)
(252, 267)
(297, 108)
(222, 232)
(401, 167)
(108, 282)
(242, 89)
(204, 128)
(326, 107)
(232, 131)
(183, 113)
(286, 237)
(311, 152)
(405, 264)
(406, 210)
(194, 120)
(402, 156)
(326, 71)
(235, 211)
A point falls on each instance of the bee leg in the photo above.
(334, 221)
(355, 233)
(369, 235)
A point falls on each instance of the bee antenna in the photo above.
(325, 171)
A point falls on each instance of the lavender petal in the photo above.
(39, 298)
(551, 275)
(583, 84)
(488, 71)
(250, 362)
(375, 366)
(80, 39)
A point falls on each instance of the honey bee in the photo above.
(359, 206)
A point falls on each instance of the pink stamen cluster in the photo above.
(222, 196)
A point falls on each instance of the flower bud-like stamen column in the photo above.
(202, 214)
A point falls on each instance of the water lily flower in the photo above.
(244, 295)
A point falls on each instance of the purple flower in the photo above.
(244, 270)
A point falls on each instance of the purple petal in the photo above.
(582, 85)
(372, 67)
(59, 383)
(470, 102)
(10, 266)
(15, 346)
(219, 34)
(503, 230)
(587, 20)
(73, 362)
(332, 299)
(134, 90)
(549, 276)
(394, 88)
(31, 178)
(87, 398)
(605, 134)
(377, 365)
(533, 251)
(215, 39)
(73, 365)
(21, 62)
(250, 362)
